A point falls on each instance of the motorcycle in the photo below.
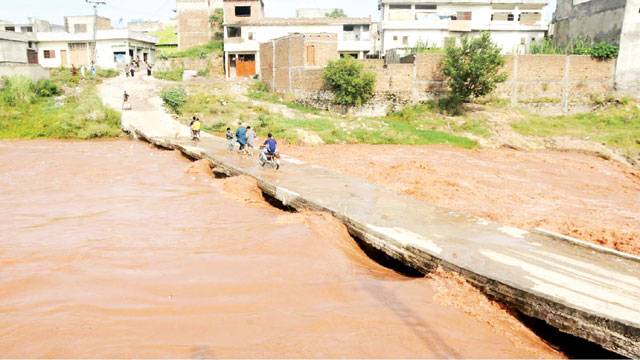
(272, 160)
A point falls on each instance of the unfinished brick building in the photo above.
(193, 18)
(295, 61)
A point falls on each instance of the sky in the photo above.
(125, 10)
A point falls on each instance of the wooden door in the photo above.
(246, 65)
(63, 58)
(32, 56)
(79, 54)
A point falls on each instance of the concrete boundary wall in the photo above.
(557, 79)
(33, 72)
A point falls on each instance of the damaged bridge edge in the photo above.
(618, 336)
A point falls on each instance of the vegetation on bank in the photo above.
(350, 84)
(294, 123)
(63, 108)
(472, 70)
(616, 125)
(581, 46)
(173, 74)
(197, 52)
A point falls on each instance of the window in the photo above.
(501, 16)
(405, 40)
(400, 12)
(510, 17)
(348, 28)
(10, 28)
(27, 29)
(463, 15)
(395, 38)
(234, 32)
(529, 18)
(250, 36)
(311, 55)
(80, 28)
(30, 44)
(49, 54)
(426, 7)
(243, 11)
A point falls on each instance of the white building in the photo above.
(513, 24)
(245, 27)
(114, 48)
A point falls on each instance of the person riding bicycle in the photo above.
(196, 126)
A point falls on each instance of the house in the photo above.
(313, 12)
(114, 48)
(18, 56)
(33, 25)
(194, 21)
(86, 24)
(513, 24)
(17, 48)
(246, 27)
(613, 21)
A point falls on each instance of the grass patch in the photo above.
(167, 36)
(197, 52)
(175, 74)
(30, 115)
(617, 126)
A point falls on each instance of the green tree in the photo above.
(336, 13)
(349, 83)
(472, 69)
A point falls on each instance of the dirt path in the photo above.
(574, 194)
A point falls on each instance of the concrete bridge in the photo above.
(579, 288)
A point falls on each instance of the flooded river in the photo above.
(115, 249)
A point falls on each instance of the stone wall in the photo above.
(557, 79)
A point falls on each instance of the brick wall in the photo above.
(285, 65)
(532, 78)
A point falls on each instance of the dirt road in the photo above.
(574, 194)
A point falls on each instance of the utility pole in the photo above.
(95, 4)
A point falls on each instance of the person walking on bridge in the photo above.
(241, 136)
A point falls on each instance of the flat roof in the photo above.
(303, 21)
(115, 34)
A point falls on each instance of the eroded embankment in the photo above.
(121, 250)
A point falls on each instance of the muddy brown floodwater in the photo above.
(115, 249)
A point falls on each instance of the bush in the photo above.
(174, 98)
(604, 51)
(349, 83)
(46, 88)
(581, 46)
(174, 74)
(17, 90)
(473, 69)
